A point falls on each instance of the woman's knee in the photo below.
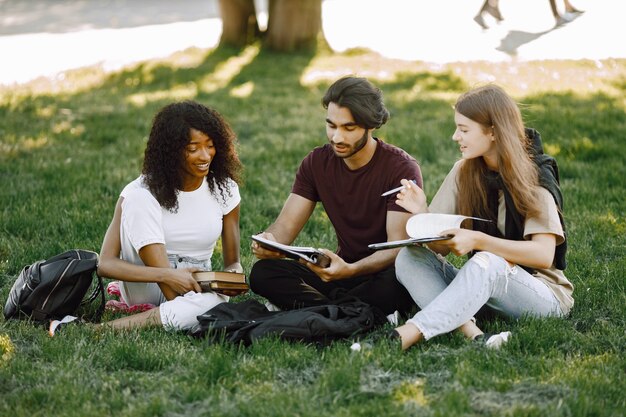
(491, 269)
(488, 261)
(181, 313)
(411, 262)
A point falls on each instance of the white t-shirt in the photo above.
(192, 231)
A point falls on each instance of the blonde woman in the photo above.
(516, 268)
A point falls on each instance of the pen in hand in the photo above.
(395, 190)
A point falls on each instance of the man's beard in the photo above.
(360, 144)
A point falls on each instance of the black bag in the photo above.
(249, 321)
(549, 179)
(53, 288)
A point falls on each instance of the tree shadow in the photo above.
(94, 138)
(87, 144)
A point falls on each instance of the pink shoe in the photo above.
(115, 305)
(138, 308)
(114, 289)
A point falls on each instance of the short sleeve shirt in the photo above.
(192, 230)
(445, 201)
(352, 198)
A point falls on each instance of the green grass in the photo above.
(68, 147)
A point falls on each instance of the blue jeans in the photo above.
(449, 297)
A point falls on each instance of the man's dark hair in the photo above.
(362, 98)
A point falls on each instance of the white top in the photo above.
(192, 231)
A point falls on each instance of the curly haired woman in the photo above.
(167, 221)
(518, 261)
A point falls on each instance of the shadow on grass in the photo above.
(515, 39)
(72, 153)
(65, 157)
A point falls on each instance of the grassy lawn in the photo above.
(68, 147)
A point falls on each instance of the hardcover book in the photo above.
(227, 283)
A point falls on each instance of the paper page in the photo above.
(309, 254)
(272, 244)
(426, 225)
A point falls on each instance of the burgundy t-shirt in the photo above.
(352, 199)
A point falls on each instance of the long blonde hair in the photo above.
(492, 108)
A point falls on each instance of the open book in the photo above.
(424, 228)
(227, 283)
(295, 252)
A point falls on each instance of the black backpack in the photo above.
(549, 179)
(51, 289)
(249, 321)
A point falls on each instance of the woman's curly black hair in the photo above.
(166, 150)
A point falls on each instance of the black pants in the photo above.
(289, 284)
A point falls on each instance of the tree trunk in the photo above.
(239, 24)
(293, 24)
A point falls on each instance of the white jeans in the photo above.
(449, 297)
(180, 313)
